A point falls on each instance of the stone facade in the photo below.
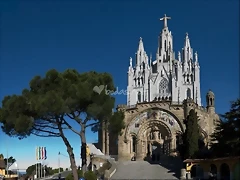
(160, 95)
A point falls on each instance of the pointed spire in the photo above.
(187, 42)
(179, 56)
(196, 56)
(130, 64)
(140, 45)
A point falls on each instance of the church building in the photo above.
(161, 92)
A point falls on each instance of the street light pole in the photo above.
(58, 162)
(7, 159)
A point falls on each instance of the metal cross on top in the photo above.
(164, 19)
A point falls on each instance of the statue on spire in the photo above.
(164, 19)
(179, 56)
(196, 56)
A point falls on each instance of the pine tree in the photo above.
(191, 135)
(226, 141)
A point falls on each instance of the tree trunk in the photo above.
(83, 150)
(71, 156)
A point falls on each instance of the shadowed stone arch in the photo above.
(225, 171)
(169, 112)
(127, 130)
(132, 134)
(153, 124)
(204, 134)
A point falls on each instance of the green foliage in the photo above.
(89, 175)
(10, 161)
(189, 146)
(192, 135)
(70, 176)
(49, 171)
(31, 169)
(226, 141)
(116, 123)
(54, 171)
(54, 100)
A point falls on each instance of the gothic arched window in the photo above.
(134, 143)
(165, 45)
(188, 93)
(163, 86)
(211, 101)
(139, 97)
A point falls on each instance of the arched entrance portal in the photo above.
(213, 170)
(152, 134)
(225, 171)
(154, 141)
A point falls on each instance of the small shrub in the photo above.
(102, 169)
(89, 175)
(70, 176)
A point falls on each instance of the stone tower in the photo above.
(167, 77)
(210, 102)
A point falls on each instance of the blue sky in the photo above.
(36, 36)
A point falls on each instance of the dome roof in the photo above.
(210, 93)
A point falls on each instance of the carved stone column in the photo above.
(155, 135)
(150, 145)
(144, 152)
(139, 155)
(130, 146)
(173, 142)
(103, 146)
(107, 142)
(166, 145)
(161, 141)
(146, 146)
(123, 149)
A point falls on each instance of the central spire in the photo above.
(164, 19)
(140, 45)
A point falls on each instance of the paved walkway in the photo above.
(145, 170)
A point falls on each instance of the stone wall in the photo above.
(207, 119)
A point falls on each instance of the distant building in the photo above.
(2, 167)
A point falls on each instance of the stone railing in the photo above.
(102, 159)
(109, 173)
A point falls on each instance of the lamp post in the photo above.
(59, 162)
(7, 162)
(7, 157)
